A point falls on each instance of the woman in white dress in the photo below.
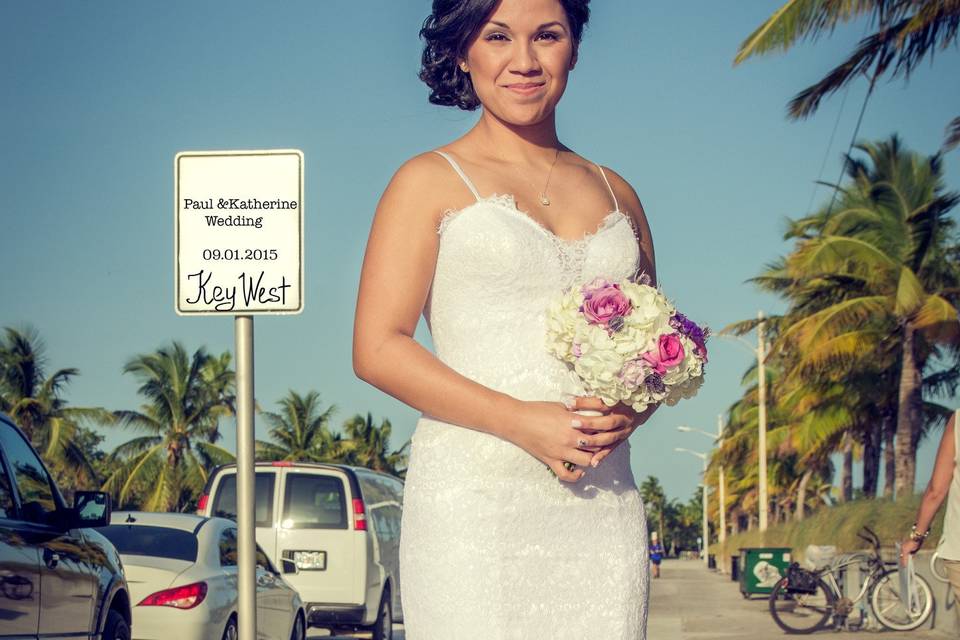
(521, 517)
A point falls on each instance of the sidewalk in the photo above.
(690, 602)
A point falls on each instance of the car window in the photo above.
(37, 502)
(379, 488)
(158, 542)
(228, 552)
(314, 502)
(225, 504)
(264, 562)
(228, 548)
(7, 506)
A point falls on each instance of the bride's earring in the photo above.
(463, 67)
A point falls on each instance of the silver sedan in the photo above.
(182, 574)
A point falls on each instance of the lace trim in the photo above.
(509, 203)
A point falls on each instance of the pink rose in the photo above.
(669, 353)
(576, 350)
(671, 350)
(604, 305)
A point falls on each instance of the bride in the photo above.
(521, 515)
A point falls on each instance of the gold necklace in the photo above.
(544, 200)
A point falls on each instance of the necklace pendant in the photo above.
(544, 200)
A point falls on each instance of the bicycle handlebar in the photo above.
(870, 538)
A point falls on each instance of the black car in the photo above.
(48, 549)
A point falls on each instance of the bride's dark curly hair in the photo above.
(449, 29)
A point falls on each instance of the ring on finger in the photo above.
(581, 442)
(569, 466)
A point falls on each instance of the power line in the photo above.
(826, 154)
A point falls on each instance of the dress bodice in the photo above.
(497, 271)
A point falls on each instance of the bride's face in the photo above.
(524, 42)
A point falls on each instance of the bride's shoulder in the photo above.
(424, 181)
(630, 204)
(626, 195)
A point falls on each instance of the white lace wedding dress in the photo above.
(492, 545)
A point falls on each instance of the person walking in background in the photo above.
(656, 554)
(944, 483)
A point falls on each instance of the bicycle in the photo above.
(805, 601)
(937, 569)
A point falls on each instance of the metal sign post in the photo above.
(246, 505)
(239, 251)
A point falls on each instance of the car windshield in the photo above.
(158, 542)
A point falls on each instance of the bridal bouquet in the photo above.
(627, 343)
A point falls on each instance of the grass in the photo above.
(838, 526)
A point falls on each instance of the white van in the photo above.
(339, 524)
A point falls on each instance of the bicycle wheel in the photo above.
(937, 568)
(889, 608)
(796, 612)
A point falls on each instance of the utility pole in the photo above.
(762, 444)
(723, 500)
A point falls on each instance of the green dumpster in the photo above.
(761, 568)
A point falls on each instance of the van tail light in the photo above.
(359, 516)
(202, 503)
(186, 597)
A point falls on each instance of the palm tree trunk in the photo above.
(802, 495)
(908, 417)
(889, 456)
(873, 438)
(846, 475)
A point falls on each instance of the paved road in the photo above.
(691, 603)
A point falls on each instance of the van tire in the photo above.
(383, 627)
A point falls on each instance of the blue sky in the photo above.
(99, 97)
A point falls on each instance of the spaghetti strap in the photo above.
(616, 207)
(456, 167)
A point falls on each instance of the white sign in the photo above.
(238, 232)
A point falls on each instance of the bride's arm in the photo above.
(395, 278)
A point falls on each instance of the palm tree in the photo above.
(888, 244)
(655, 497)
(368, 446)
(300, 432)
(907, 32)
(34, 401)
(166, 469)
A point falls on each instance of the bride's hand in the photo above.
(548, 434)
(617, 423)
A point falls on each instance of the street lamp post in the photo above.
(706, 528)
(760, 352)
(722, 483)
(718, 440)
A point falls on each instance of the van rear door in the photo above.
(316, 531)
(223, 501)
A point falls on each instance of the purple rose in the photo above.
(655, 383)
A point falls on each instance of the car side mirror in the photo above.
(91, 509)
(288, 566)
